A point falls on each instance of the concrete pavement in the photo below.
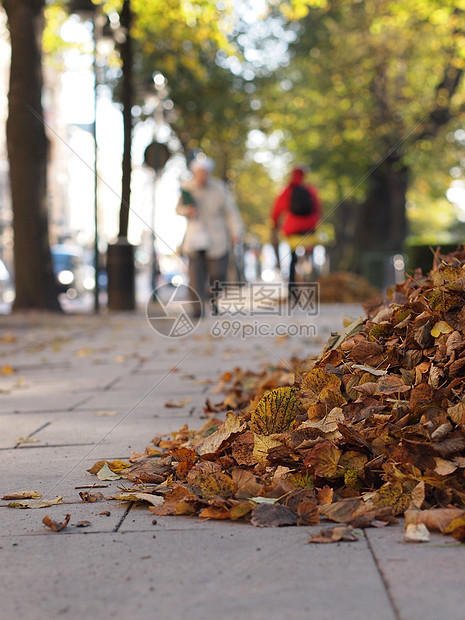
(86, 388)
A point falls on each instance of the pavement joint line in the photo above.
(18, 443)
(122, 518)
(80, 403)
(395, 609)
(33, 411)
(117, 423)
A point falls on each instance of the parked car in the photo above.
(73, 273)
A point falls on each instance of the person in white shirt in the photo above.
(214, 225)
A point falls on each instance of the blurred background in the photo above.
(108, 102)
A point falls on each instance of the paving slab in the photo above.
(222, 573)
(425, 580)
(28, 522)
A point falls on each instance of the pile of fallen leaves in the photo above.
(345, 287)
(372, 429)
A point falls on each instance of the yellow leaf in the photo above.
(155, 500)
(392, 494)
(215, 484)
(262, 445)
(275, 412)
(7, 370)
(316, 380)
(441, 327)
(36, 503)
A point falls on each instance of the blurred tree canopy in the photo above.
(367, 96)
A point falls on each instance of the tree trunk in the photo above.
(380, 223)
(127, 101)
(27, 153)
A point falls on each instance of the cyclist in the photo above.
(296, 211)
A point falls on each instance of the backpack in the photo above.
(301, 201)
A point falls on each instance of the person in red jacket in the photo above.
(293, 218)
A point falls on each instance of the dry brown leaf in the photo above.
(225, 434)
(22, 495)
(56, 526)
(273, 515)
(435, 519)
(91, 496)
(340, 533)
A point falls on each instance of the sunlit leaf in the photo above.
(276, 412)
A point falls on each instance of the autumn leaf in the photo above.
(137, 496)
(275, 412)
(416, 533)
(6, 370)
(317, 381)
(236, 512)
(457, 528)
(262, 445)
(323, 460)
(339, 533)
(308, 513)
(91, 496)
(148, 470)
(441, 327)
(216, 484)
(179, 404)
(225, 434)
(36, 503)
(435, 519)
(22, 495)
(421, 395)
(178, 501)
(56, 526)
(115, 466)
(242, 449)
(106, 474)
(246, 484)
(273, 515)
(393, 494)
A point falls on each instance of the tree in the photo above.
(27, 153)
(369, 93)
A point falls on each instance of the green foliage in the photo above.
(366, 76)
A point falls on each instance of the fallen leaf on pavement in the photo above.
(91, 497)
(55, 526)
(25, 440)
(416, 533)
(23, 495)
(106, 413)
(179, 404)
(273, 515)
(105, 473)
(83, 524)
(225, 434)
(105, 513)
(457, 528)
(137, 496)
(435, 519)
(340, 533)
(6, 369)
(36, 503)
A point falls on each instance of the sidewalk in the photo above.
(91, 388)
